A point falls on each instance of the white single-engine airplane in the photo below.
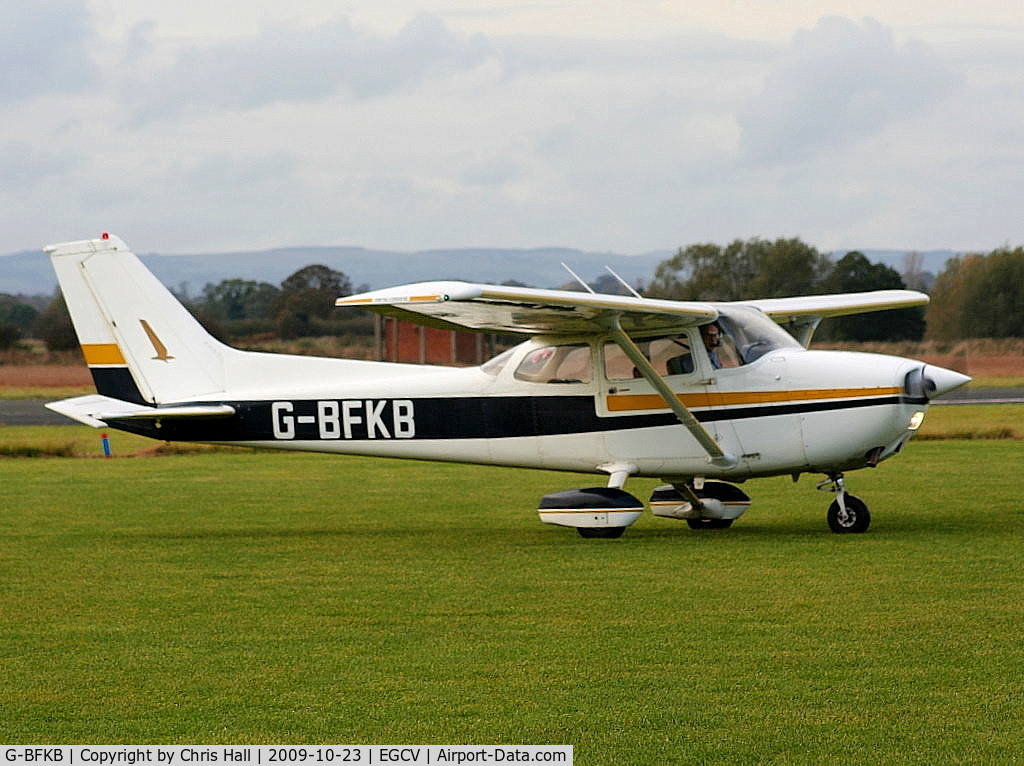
(701, 395)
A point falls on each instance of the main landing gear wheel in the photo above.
(597, 513)
(854, 518)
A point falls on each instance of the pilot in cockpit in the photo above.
(711, 334)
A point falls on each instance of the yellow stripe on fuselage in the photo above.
(633, 402)
(99, 354)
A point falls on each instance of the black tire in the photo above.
(601, 533)
(709, 523)
(856, 520)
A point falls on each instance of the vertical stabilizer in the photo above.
(140, 343)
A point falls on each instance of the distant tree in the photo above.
(10, 334)
(788, 267)
(53, 326)
(855, 273)
(995, 302)
(15, 310)
(754, 268)
(306, 296)
(944, 315)
(979, 296)
(239, 299)
(914, 275)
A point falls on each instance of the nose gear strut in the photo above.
(847, 513)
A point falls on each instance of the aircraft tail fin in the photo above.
(141, 345)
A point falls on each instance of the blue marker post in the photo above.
(106, 446)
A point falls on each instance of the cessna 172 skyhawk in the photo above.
(619, 385)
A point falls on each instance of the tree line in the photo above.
(979, 296)
(233, 309)
(975, 296)
(758, 268)
(303, 306)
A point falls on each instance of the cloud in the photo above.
(304, 65)
(835, 84)
(24, 166)
(493, 171)
(44, 48)
(844, 135)
(525, 55)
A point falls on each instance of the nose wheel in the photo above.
(848, 514)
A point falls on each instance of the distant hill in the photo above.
(931, 260)
(30, 273)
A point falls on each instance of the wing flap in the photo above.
(529, 311)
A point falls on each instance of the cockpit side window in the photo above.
(739, 336)
(668, 356)
(557, 364)
(719, 345)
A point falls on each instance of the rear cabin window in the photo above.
(557, 364)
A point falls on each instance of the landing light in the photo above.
(915, 421)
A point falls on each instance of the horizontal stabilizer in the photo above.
(97, 410)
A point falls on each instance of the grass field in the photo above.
(229, 597)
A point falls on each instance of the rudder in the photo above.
(140, 343)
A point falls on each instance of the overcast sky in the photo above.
(625, 126)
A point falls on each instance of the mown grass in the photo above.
(82, 441)
(278, 597)
(49, 393)
(996, 381)
(973, 421)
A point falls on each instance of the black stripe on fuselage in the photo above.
(769, 410)
(443, 418)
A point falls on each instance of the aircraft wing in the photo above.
(528, 311)
(801, 315)
(783, 309)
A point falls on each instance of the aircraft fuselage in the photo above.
(780, 414)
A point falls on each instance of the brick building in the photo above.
(399, 341)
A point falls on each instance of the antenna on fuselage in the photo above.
(579, 279)
(623, 282)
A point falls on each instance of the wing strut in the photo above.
(716, 455)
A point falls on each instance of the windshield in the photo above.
(753, 333)
(496, 364)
